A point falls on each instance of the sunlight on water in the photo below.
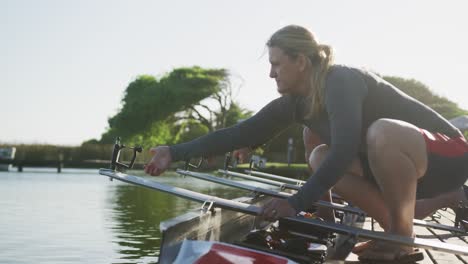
(78, 216)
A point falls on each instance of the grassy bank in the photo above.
(295, 170)
(39, 152)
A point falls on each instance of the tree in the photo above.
(233, 115)
(421, 92)
(175, 108)
(148, 102)
(190, 130)
(218, 110)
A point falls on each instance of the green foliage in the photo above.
(172, 109)
(236, 113)
(190, 130)
(159, 133)
(38, 152)
(90, 142)
(193, 128)
(421, 92)
(280, 144)
(148, 100)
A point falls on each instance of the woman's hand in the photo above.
(242, 155)
(160, 162)
(277, 208)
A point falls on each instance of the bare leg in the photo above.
(352, 187)
(356, 189)
(398, 158)
(426, 207)
(311, 141)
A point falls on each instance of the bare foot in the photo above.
(360, 247)
(381, 251)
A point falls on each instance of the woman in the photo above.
(359, 116)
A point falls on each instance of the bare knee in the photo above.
(377, 137)
(317, 156)
(385, 133)
(389, 134)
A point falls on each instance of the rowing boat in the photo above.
(202, 227)
(231, 222)
(299, 226)
(280, 184)
(232, 229)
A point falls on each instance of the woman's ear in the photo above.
(302, 62)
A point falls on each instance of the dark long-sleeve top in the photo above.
(354, 99)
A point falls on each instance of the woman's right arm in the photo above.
(268, 122)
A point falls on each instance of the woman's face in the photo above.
(289, 73)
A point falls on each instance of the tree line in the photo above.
(182, 105)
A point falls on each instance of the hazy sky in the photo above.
(65, 64)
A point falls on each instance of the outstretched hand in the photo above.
(277, 208)
(160, 162)
(242, 155)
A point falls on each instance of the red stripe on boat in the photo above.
(224, 254)
(443, 145)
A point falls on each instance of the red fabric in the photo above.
(223, 254)
(443, 145)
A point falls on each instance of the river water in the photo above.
(78, 216)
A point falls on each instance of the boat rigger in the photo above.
(213, 201)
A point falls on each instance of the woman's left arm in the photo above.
(344, 96)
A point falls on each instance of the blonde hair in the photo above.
(294, 40)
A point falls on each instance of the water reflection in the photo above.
(137, 212)
(79, 216)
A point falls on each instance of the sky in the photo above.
(64, 65)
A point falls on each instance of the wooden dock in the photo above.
(76, 164)
(59, 164)
(445, 217)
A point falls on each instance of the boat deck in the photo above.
(445, 217)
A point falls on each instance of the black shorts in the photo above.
(447, 165)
